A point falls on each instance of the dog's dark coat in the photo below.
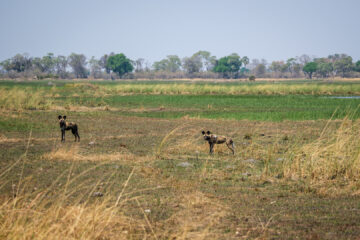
(65, 126)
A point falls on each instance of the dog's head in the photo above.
(62, 120)
(206, 135)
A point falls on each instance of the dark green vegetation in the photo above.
(229, 66)
(310, 68)
(119, 64)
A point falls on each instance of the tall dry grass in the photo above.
(29, 217)
(18, 99)
(265, 89)
(335, 155)
(201, 89)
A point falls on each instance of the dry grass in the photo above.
(74, 154)
(31, 218)
(147, 195)
(20, 99)
(196, 219)
(335, 155)
(34, 216)
(264, 89)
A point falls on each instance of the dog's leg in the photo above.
(74, 133)
(211, 148)
(63, 135)
(78, 136)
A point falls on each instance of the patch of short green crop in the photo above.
(257, 107)
(15, 125)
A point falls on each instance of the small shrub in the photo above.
(252, 78)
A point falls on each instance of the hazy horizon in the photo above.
(272, 29)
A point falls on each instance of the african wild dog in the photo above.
(64, 126)
(213, 139)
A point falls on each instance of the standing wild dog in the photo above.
(65, 126)
(212, 139)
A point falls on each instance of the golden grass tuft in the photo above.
(22, 219)
(196, 219)
(74, 154)
(20, 99)
(335, 155)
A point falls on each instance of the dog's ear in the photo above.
(59, 117)
(203, 132)
(64, 117)
(208, 132)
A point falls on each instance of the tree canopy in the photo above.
(310, 68)
(229, 66)
(119, 64)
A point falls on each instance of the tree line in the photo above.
(201, 64)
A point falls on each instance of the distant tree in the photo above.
(48, 63)
(310, 68)
(61, 64)
(324, 67)
(103, 62)
(290, 63)
(95, 67)
(192, 64)
(18, 63)
(208, 62)
(335, 57)
(343, 65)
(260, 69)
(357, 66)
(37, 65)
(139, 65)
(276, 66)
(6, 65)
(171, 64)
(120, 64)
(161, 65)
(245, 60)
(304, 59)
(297, 68)
(228, 66)
(78, 63)
(174, 63)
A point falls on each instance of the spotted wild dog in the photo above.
(65, 126)
(213, 139)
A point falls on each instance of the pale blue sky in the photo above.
(152, 29)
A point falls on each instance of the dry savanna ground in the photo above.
(132, 178)
(142, 169)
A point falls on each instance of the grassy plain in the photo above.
(142, 169)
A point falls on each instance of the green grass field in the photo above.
(295, 173)
(211, 101)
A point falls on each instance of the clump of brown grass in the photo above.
(196, 219)
(30, 218)
(19, 99)
(335, 155)
(74, 154)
